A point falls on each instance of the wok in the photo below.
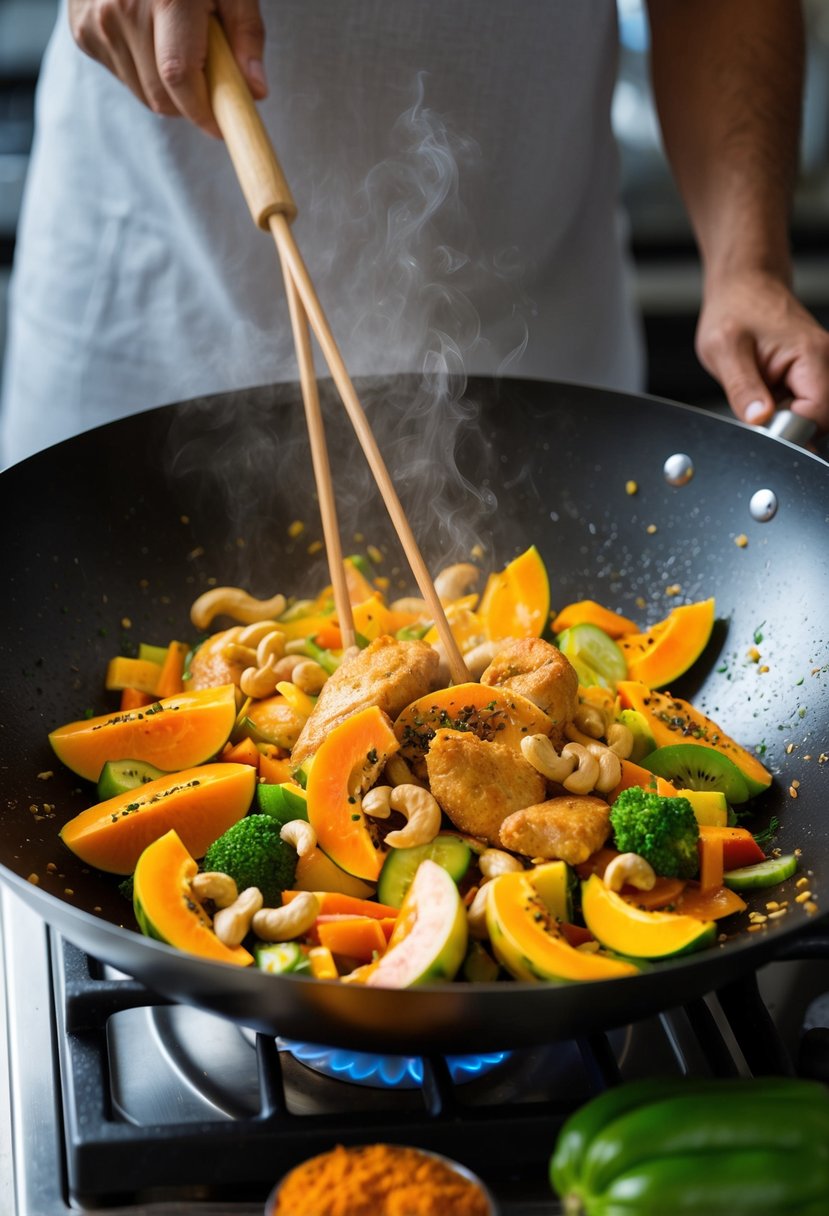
(116, 531)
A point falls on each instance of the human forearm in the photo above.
(727, 78)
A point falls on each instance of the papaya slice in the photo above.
(489, 712)
(588, 612)
(635, 774)
(529, 941)
(176, 733)
(672, 720)
(713, 904)
(316, 872)
(166, 909)
(200, 803)
(669, 648)
(516, 601)
(637, 932)
(349, 759)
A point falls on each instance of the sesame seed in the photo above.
(44, 776)
(755, 928)
(792, 791)
(651, 528)
(631, 487)
(777, 915)
(811, 908)
(753, 653)
(789, 748)
(802, 882)
(33, 879)
(802, 897)
(741, 541)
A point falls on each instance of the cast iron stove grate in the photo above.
(110, 1157)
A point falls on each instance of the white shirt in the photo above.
(456, 176)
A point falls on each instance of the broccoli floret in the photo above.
(254, 855)
(662, 830)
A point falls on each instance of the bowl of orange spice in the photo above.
(380, 1180)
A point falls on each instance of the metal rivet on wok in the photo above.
(678, 469)
(763, 506)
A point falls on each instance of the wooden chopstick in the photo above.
(319, 459)
(272, 206)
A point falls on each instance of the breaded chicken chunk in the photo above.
(569, 829)
(388, 673)
(540, 672)
(209, 668)
(479, 784)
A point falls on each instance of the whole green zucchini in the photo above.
(710, 1147)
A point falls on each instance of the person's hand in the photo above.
(764, 347)
(158, 48)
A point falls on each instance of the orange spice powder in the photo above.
(378, 1180)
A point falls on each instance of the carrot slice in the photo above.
(709, 905)
(134, 698)
(172, 669)
(664, 891)
(710, 862)
(244, 752)
(739, 846)
(274, 770)
(334, 903)
(357, 937)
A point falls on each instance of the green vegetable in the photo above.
(764, 874)
(327, 660)
(281, 958)
(690, 766)
(283, 802)
(595, 656)
(662, 830)
(118, 776)
(479, 967)
(400, 866)
(710, 1147)
(254, 855)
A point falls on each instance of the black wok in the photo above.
(115, 532)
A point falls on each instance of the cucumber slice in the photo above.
(118, 776)
(593, 654)
(643, 740)
(400, 867)
(281, 958)
(692, 766)
(282, 802)
(766, 873)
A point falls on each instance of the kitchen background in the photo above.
(667, 272)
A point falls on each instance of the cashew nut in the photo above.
(397, 772)
(629, 869)
(573, 733)
(610, 770)
(411, 603)
(285, 667)
(538, 750)
(221, 888)
(252, 635)
(300, 834)
(479, 658)
(476, 914)
(620, 739)
(231, 924)
(377, 802)
(258, 682)
(584, 777)
(493, 862)
(423, 813)
(590, 720)
(309, 677)
(235, 603)
(455, 581)
(290, 921)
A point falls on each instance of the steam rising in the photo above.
(403, 243)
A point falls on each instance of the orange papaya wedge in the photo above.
(166, 909)
(672, 720)
(176, 733)
(200, 803)
(666, 650)
(588, 612)
(489, 712)
(516, 601)
(347, 760)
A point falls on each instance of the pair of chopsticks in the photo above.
(273, 208)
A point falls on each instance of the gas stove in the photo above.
(125, 1105)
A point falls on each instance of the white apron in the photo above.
(456, 177)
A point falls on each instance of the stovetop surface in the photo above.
(158, 1109)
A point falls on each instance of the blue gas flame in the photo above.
(387, 1071)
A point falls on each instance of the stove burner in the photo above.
(386, 1071)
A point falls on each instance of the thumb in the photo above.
(245, 32)
(734, 364)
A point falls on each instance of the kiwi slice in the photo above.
(691, 766)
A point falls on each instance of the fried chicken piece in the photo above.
(540, 672)
(388, 673)
(479, 784)
(209, 668)
(569, 829)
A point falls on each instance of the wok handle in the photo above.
(794, 427)
(263, 183)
